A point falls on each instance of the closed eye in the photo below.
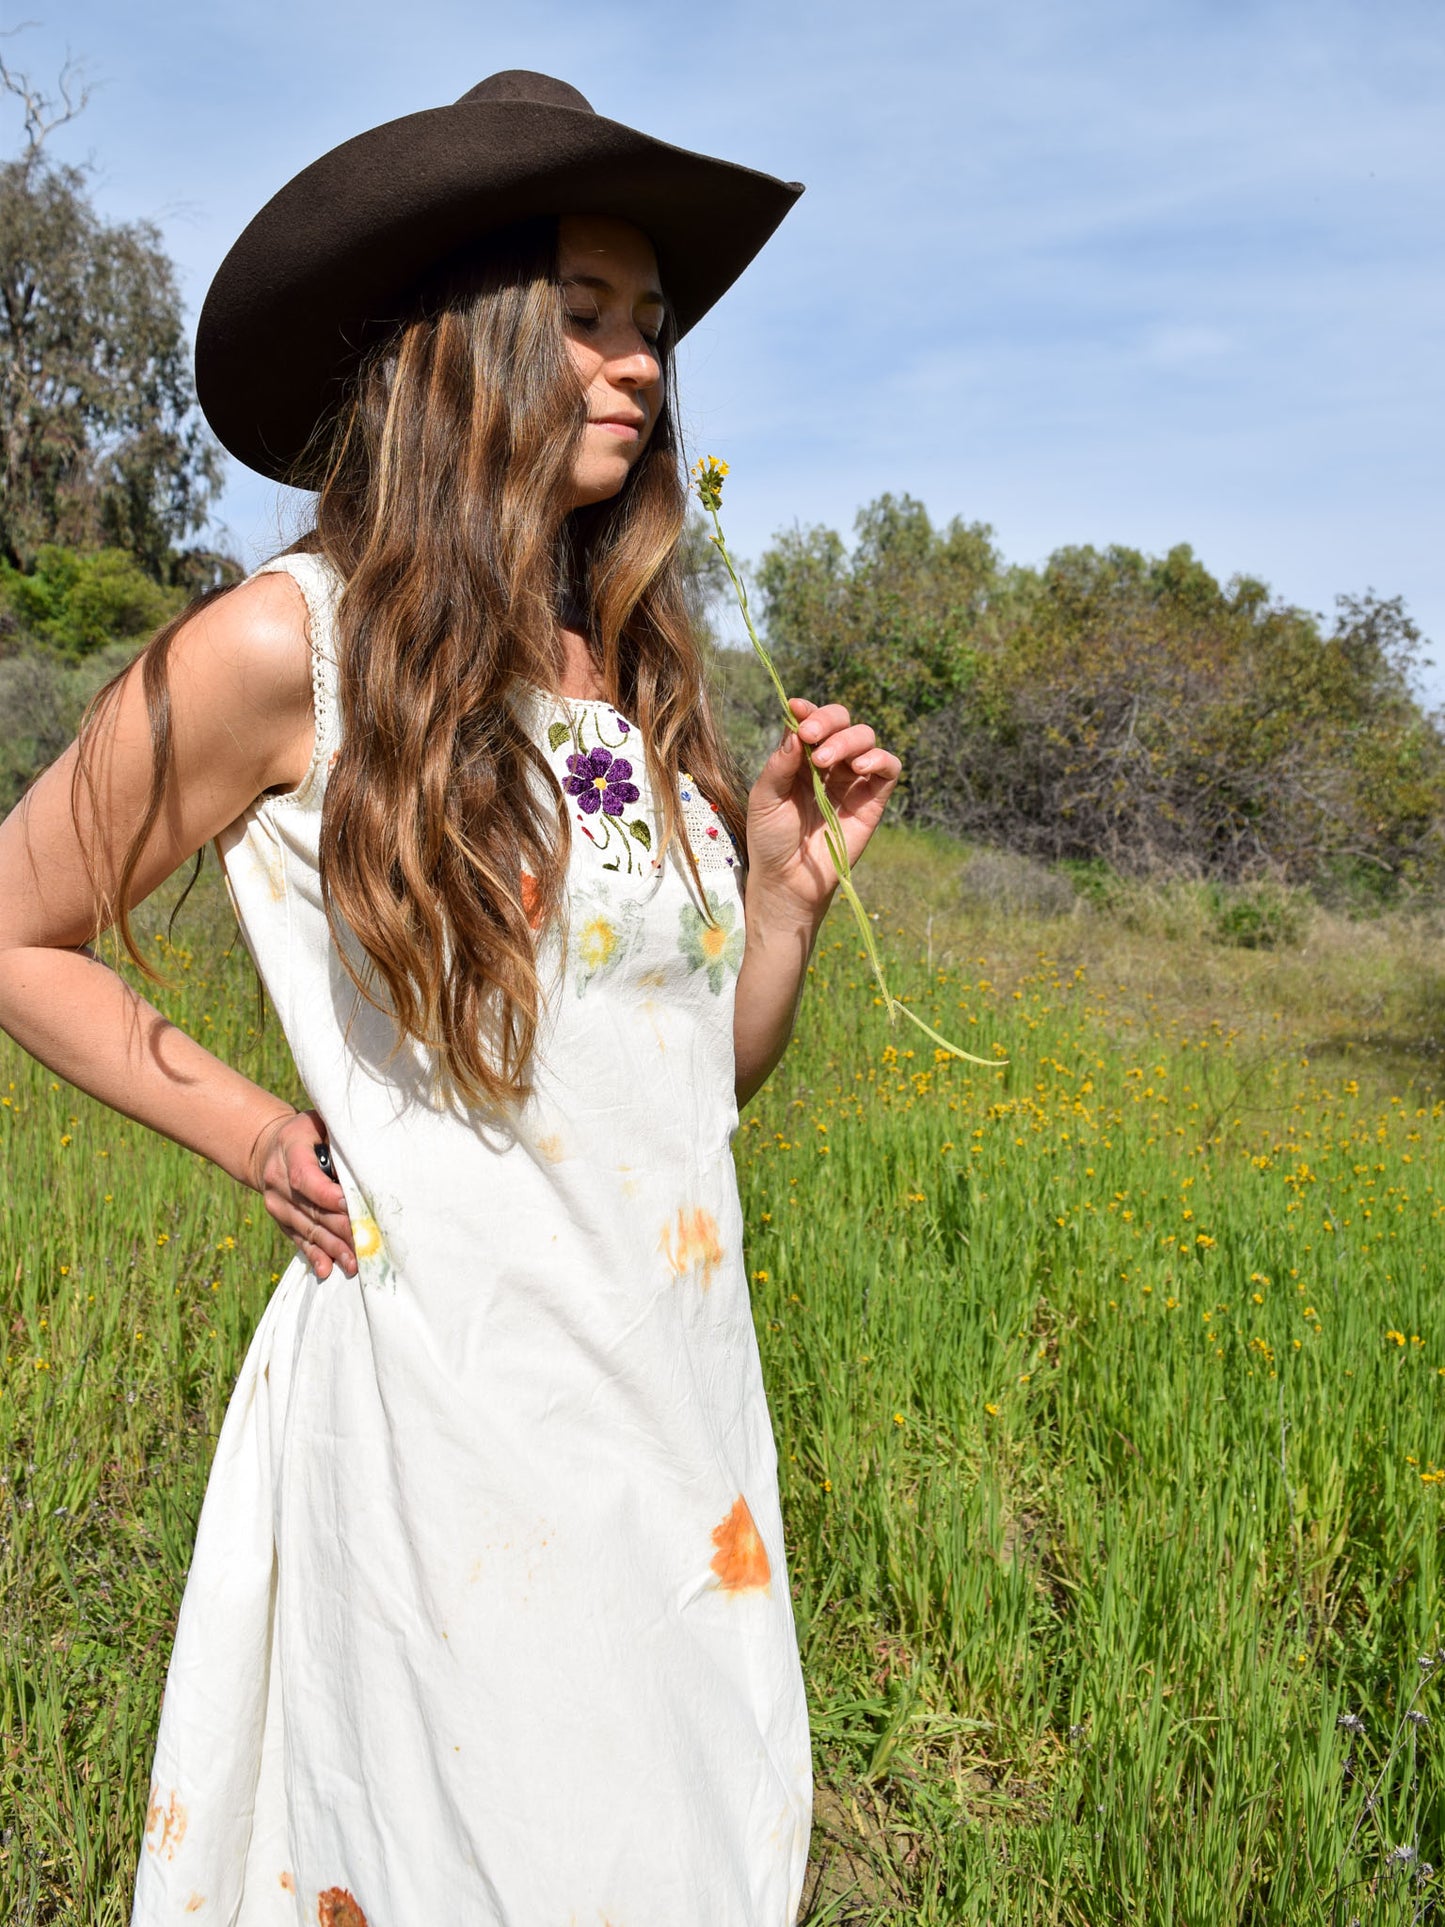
(588, 324)
(651, 304)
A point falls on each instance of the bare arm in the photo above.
(241, 719)
(791, 879)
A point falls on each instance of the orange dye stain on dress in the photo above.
(690, 1242)
(531, 899)
(288, 1883)
(165, 1824)
(195, 1903)
(337, 1908)
(741, 1559)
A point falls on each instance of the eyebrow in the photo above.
(649, 298)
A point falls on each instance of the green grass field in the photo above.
(1110, 1397)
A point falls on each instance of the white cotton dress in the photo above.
(488, 1623)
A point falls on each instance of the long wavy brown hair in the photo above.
(442, 483)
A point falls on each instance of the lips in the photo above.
(629, 427)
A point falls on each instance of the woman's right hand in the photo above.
(309, 1207)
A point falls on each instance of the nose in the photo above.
(638, 368)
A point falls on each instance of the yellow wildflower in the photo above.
(708, 474)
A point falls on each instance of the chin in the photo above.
(600, 484)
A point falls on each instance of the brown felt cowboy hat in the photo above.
(340, 248)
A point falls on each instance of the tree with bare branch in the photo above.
(100, 440)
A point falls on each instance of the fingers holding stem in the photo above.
(832, 827)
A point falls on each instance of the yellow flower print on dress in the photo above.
(604, 933)
(715, 946)
(267, 861)
(597, 942)
(373, 1260)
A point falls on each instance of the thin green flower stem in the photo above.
(1368, 1804)
(832, 828)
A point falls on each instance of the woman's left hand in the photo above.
(788, 858)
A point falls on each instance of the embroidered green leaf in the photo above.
(558, 734)
(639, 830)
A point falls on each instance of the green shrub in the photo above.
(1091, 877)
(1259, 916)
(75, 602)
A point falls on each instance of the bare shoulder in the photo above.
(247, 658)
(254, 641)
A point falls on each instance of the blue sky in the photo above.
(1144, 271)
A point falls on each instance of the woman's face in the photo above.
(614, 317)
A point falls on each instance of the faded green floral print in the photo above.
(716, 946)
(604, 934)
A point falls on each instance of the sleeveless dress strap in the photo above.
(320, 584)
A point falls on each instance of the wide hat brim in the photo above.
(331, 259)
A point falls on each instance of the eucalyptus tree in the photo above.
(101, 444)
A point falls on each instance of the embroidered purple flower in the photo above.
(601, 781)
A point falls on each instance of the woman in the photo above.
(488, 1620)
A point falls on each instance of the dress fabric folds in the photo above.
(488, 1622)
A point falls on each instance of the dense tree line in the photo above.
(1116, 708)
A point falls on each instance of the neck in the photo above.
(579, 671)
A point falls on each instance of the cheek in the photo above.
(585, 360)
(653, 399)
